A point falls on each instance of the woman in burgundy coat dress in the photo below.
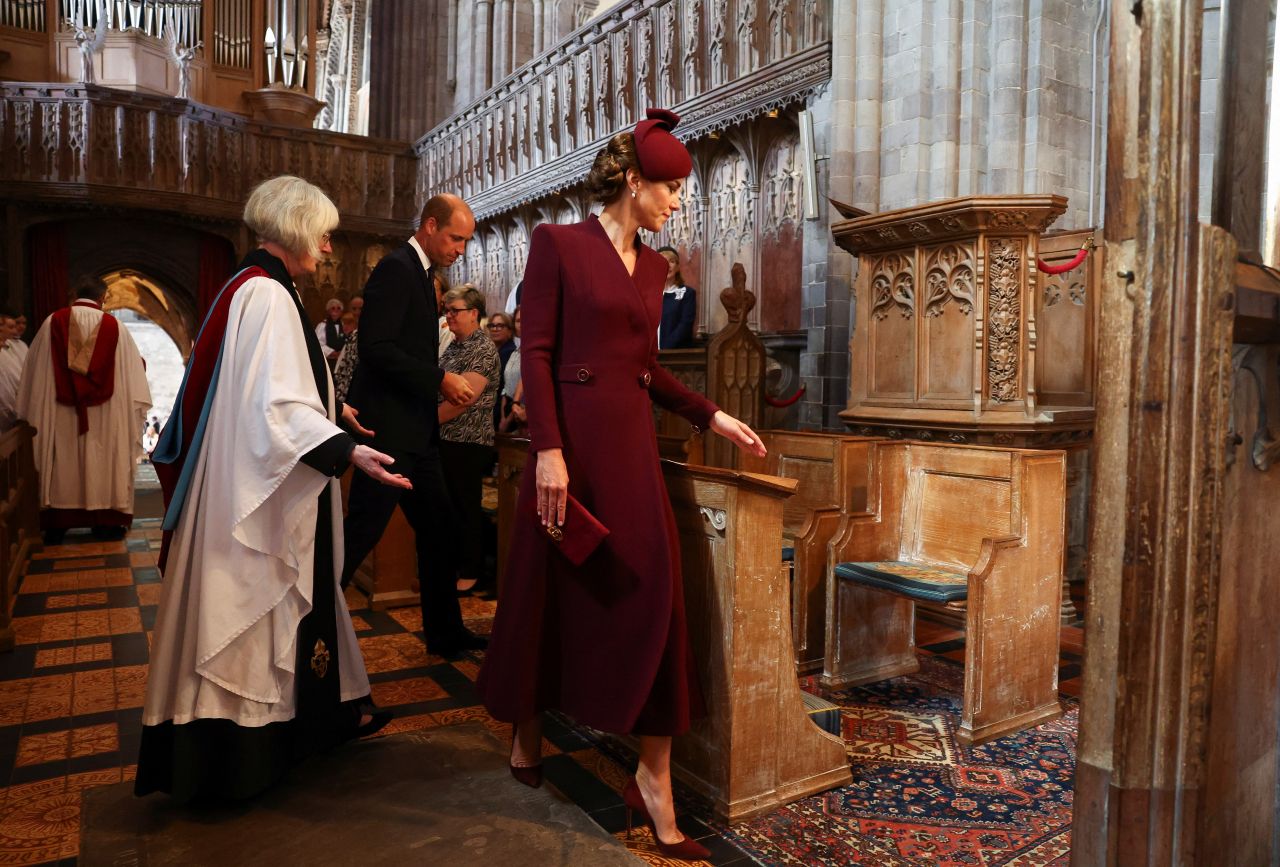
(604, 642)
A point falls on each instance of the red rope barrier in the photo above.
(1075, 261)
(782, 402)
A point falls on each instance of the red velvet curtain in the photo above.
(216, 263)
(50, 278)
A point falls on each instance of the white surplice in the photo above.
(12, 356)
(239, 575)
(93, 471)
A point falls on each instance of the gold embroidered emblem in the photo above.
(555, 533)
(320, 659)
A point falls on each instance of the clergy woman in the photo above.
(254, 661)
(604, 641)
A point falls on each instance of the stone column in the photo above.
(539, 27)
(501, 40)
(481, 50)
(400, 87)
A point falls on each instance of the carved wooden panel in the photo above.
(1066, 317)
(891, 327)
(947, 321)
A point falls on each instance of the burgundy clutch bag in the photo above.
(580, 534)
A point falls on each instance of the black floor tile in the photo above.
(30, 604)
(117, 561)
(147, 614)
(19, 662)
(578, 784)
(100, 762)
(945, 646)
(129, 649)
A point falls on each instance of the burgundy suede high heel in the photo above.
(530, 775)
(685, 850)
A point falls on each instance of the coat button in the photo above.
(583, 374)
(645, 378)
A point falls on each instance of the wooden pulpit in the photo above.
(960, 338)
(757, 749)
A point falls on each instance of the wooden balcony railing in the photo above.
(94, 144)
(717, 62)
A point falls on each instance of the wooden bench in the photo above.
(19, 519)
(980, 529)
(833, 472)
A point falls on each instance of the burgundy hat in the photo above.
(661, 155)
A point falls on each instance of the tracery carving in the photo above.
(719, 71)
(780, 188)
(605, 79)
(583, 88)
(692, 30)
(666, 55)
(732, 204)
(748, 58)
(684, 230)
(893, 283)
(948, 276)
(779, 29)
(644, 58)
(1004, 267)
(622, 112)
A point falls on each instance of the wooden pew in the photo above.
(982, 529)
(390, 573)
(833, 472)
(19, 519)
(757, 750)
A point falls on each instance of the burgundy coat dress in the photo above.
(606, 641)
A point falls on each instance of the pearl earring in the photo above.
(633, 194)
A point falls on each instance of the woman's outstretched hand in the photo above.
(372, 463)
(737, 433)
(552, 483)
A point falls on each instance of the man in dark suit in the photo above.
(396, 387)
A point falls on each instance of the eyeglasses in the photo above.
(456, 311)
(493, 325)
(324, 239)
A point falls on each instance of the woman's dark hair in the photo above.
(678, 277)
(608, 176)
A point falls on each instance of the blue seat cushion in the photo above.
(824, 714)
(921, 581)
(788, 554)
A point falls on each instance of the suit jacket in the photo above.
(397, 380)
(678, 316)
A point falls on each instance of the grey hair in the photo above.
(292, 213)
(468, 295)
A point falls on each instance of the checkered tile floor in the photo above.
(71, 696)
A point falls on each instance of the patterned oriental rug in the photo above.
(919, 797)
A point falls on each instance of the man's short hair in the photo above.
(439, 208)
(90, 288)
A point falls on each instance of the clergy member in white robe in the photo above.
(84, 389)
(254, 661)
